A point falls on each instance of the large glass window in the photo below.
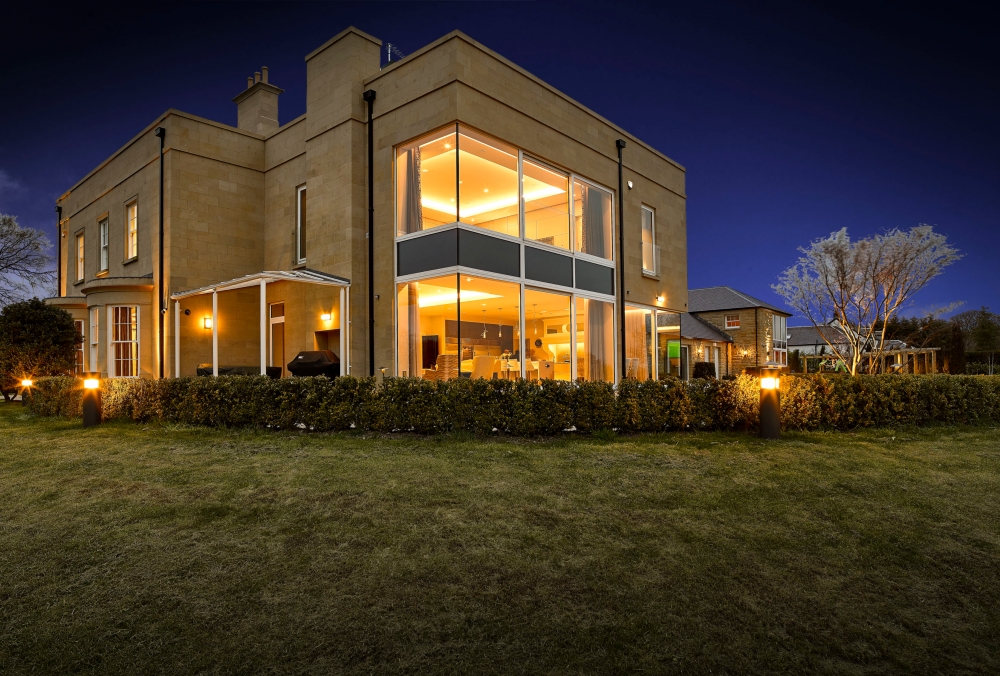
(592, 219)
(490, 317)
(131, 230)
(668, 345)
(426, 182)
(487, 183)
(300, 225)
(638, 343)
(124, 341)
(548, 345)
(546, 204)
(595, 341)
(425, 311)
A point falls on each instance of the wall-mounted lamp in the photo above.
(92, 399)
(770, 404)
(207, 322)
(659, 299)
(629, 185)
(326, 316)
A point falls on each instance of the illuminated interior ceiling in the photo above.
(488, 187)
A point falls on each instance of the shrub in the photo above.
(523, 408)
(36, 340)
(704, 369)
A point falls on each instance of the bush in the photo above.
(36, 340)
(522, 408)
(704, 369)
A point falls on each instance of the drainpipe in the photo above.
(161, 134)
(620, 143)
(59, 261)
(369, 97)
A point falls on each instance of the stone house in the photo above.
(759, 331)
(444, 215)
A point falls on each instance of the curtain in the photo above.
(637, 343)
(414, 342)
(593, 221)
(411, 213)
(594, 340)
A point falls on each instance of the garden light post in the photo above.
(26, 384)
(91, 399)
(770, 404)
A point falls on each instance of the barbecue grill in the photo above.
(315, 363)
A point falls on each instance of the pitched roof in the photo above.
(725, 298)
(811, 335)
(693, 328)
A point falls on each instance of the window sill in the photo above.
(299, 265)
(102, 273)
(130, 260)
(650, 274)
(78, 282)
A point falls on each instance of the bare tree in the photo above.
(23, 259)
(859, 286)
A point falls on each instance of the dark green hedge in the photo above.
(522, 408)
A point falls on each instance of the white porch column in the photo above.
(177, 339)
(215, 333)
(343, 334)
(263, 327)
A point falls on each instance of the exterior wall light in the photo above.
(770, 403)
(92, 399)
(326, 316)
(207, 322)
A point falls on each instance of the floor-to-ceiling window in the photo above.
(668, 345)
(493, 243)
(638, 343)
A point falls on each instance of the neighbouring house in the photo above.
(758, 330)
(815, 340)
(445, 215)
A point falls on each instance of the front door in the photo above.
(278, 336)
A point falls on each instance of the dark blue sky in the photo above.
(793, 120)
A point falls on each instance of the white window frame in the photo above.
(104, 257)
(112, 370)
(655, 270)
(730, 323)
(132, 230)
(95, 329)
(81, 242)
(299, 258)
(81, 326)
(779, 327)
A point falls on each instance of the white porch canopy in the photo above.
(261, 280)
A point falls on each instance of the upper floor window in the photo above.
(79, 257)
(123, 357)
(103, 227)
(458, 175)
(650, 252)
(732, 321)
(300, 225)
(131, 230)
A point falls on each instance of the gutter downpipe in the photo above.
(620, 143)
(161, 134)
(59, 261)
(369, 97)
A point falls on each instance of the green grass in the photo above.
(163, 549)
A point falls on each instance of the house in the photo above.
(757, 329)
(445, 215)
(815, 340)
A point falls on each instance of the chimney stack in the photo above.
(257, 107)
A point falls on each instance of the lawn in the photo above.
(134, 549)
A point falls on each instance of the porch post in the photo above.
(177, 339)
(215, 332)
(263, 327)
(933, 362)
(343, 334)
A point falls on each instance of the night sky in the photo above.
(792, 120)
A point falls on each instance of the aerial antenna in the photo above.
(391, 49)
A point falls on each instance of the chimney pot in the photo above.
(249, 82)
(263, 73)
(256, 77)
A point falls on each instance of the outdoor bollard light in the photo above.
(26, 384)
(770, 404)
(91, 399)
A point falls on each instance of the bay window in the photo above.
(123, 352)
(95, 320)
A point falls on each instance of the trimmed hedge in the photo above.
(524, 408)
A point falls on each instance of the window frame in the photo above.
(732, 325)
(81, 325)
(94, 335)
(112, 367)
(81, 255)
(131, 235)
(300, 232)
(779, 348)
(103, 245)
